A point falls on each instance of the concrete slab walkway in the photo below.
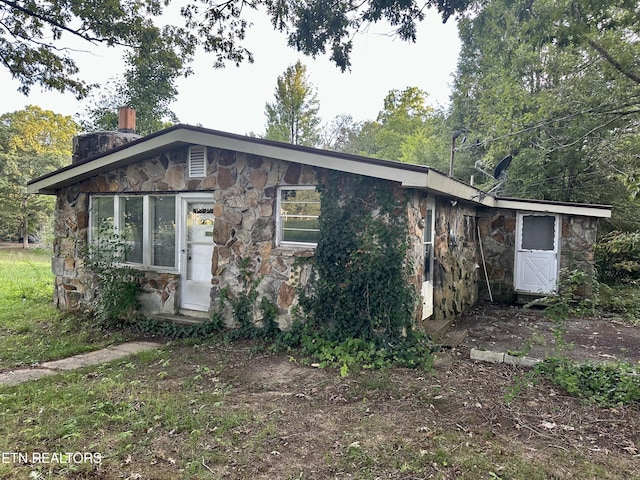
(115, 352)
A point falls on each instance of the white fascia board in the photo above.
(584, 210)
(88, 169)
(315, 159)
(441, 183)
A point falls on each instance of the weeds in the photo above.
(606, 384)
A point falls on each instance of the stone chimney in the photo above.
(87, 145)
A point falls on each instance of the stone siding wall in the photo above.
(456, 258)
(498, 237)
(578, 238)
(416, 212)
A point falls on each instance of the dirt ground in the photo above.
(505, 328)
(442, 424)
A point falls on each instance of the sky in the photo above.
(233, 99)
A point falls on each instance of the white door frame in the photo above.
(536, 271)
(428, 254)
(194, 296)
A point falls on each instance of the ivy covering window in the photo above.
(146, 223)
(298, 214)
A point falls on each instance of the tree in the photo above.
(33, 36)
(293, 116)
(33, 142)
(148, 86)
(552, 83)
(407, 129)
(37, 131)
(317, 25)
(340, 134)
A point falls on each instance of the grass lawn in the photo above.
(31, 329)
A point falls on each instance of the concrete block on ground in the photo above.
(100, 356)
(487, 356)
(520, 361)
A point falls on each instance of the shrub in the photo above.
(116, 293)
(617, 257)
(607, 384)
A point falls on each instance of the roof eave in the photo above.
(541, 206)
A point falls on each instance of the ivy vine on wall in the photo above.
(361, 288)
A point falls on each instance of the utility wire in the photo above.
(613, 109)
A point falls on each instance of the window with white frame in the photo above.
(298, 215)
(146, 223)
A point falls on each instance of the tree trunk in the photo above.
(25, 224)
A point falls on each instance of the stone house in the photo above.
(194, 202)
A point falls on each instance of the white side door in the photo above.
(196, 250)
(537, 253)
(427, 239)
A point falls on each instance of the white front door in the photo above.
(195, 253)
(536, 262)
(427, 239)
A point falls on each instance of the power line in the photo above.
(613, 109)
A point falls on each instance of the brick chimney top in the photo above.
(127, 120)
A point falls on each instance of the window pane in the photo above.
(538, 232)
(299, 212)
(200, 221)
(428, 226)
(163, 238)
(300, 229)
(102, 221)
(132, 227)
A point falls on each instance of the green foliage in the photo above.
(350, 354)
(407, 129)
(315, 26)
(360, 305)
(34, 54)
(244, 305)
(362, 288)
(569, 299)
(33, 142)
(293, 116)
(532, 81)
(607, 384)
(116, 295)
(410, 131)
(570, 296)
(623, 300)
(35, 131)
(617, 257)
(148, 86)
(176, 331)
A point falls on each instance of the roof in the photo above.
(408, 175)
